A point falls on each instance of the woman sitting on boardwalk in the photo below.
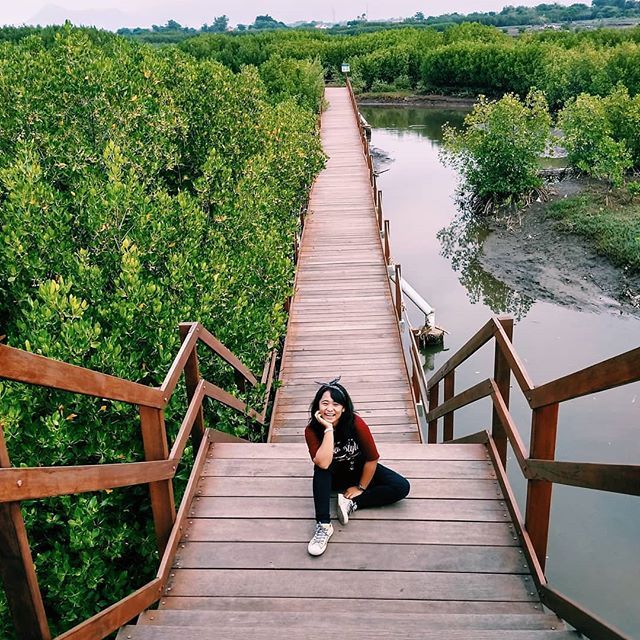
(346, 459)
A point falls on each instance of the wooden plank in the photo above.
(616, 371)
(154, 438)
(363, 556)
(17, 569)
(29, 483)
(399, 437)
(304, 468)
(30, 368)
(300, 507)
(388, 451)
(243, 486)
(342, 623)
(385, 531)
(448, 607)
(370, 584)
(146, 632)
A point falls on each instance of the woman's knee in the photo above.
(402, 487)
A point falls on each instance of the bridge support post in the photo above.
(502, 376)
(544, 426)
(17, 570)
(449, 392)
(192, 378)
(432, 436)
(154, 438)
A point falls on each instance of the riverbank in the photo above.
(400, 98)
(566, 250)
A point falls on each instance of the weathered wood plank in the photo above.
(371, 584)
(145, 632)
(222, 603)
(298, 507)
(304, 468)
(346, 621)
(360, 556)
(301, 487)
(388, 450)
(385, 531)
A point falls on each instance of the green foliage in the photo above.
(302, 80)
(497, 153)
(139, 188)
(609, 220)
(590, 138)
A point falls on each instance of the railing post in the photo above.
(379, 210)
(502, 377)
(449, 392)
(192, 379)
(154, 439)
(544, 426)
(432, 437)
(17, 569)
(387, 247)
(398, 292)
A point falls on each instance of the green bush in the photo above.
(139, 188)
(590, 139)
(497, 152)
(302, 80)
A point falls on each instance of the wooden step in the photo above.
(342, 620)
(358, 632)
(339, 604)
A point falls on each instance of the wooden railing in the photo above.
(538, 466)
(158, 470)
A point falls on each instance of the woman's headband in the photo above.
(333, 384)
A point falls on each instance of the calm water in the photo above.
(594, 546)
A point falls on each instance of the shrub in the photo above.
(589, 139)
(139, 188)
(497, 153)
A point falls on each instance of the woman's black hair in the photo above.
(340, 395)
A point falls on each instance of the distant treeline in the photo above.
(467, 58)
(510, 16)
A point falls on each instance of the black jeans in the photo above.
(385, 487)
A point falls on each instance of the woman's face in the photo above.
(330, 410)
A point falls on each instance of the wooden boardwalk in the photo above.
(443, 564)
(342, 319)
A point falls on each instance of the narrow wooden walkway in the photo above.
(443, 564)
(342, 318)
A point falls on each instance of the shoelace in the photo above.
(320, 534)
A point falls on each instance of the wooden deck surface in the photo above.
(342, 319)
(444, 563)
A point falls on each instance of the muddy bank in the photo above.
(535, 258)
(427, 100)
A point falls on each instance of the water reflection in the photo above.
(409, 121)
(461, 243)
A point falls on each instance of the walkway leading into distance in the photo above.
(444, 564)
(342, 320)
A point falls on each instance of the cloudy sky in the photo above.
(116, 13)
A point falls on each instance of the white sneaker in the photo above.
(345, 508)
(318, 543)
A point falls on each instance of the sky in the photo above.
(112, 14)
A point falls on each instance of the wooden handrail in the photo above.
(538, 466)
(23, 366)
(466, 351)
(33, 483)
(614, 372)
(17, 484)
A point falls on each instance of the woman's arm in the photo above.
(324, 455)
(368, 471)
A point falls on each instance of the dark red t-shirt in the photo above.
(347, 452)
